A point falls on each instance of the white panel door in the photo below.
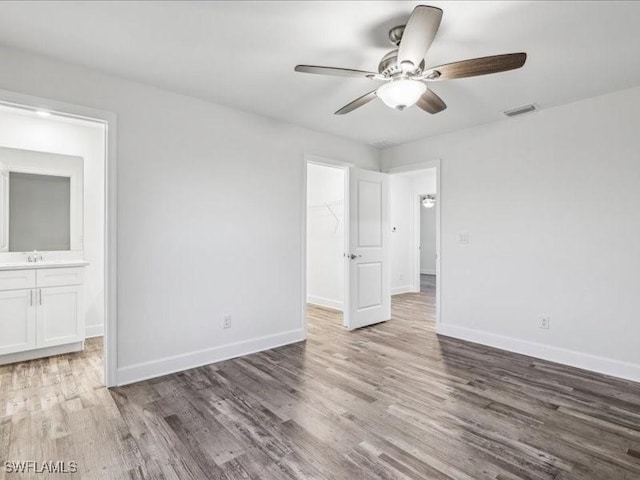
(59, 315)
(369, 295)
(17, 321)
(4, 208)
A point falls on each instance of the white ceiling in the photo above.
(242, 54)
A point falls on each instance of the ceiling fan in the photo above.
(403, 69)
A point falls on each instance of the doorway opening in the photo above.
(427, 244)
(67, 300)
(346, 232)
(415, 234)
(326, 240)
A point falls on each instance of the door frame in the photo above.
(34, 103)
(425, 166)
(345, 166)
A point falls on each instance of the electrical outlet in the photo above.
(463, 238)
(226, 321)
(543, 322)
(401, 277)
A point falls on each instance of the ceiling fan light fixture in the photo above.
(401, 93)
(428, 201)
(403, 69)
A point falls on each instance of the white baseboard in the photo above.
(427, 272)
(94, 331)
(402, 289)
(40, 353)
(185, 361)
(325, 302)
(594, 363)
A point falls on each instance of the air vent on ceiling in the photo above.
(520, 110)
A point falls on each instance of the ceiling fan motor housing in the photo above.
(395, 34)
(389, 66)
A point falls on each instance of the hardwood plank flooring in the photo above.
(428, 284)
(391, 401)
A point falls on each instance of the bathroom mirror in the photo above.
(39, 212)
(40, 203)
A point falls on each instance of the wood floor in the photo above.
(428, 285)
(392, 401)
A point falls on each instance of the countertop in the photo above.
(45, 264)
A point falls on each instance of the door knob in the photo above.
(353, 256)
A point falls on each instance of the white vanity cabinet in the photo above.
(41, 252)
(41, 311)
(17, 321)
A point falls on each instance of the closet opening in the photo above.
(325, 272)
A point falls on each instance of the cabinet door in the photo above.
(17, 321)
(59, 315)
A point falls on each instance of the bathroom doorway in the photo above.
(72, 314)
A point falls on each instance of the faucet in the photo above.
(35, 257)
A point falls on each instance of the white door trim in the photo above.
(31, 102)
(417, 242)
(425, 166)
(328, 162)
(435, 163)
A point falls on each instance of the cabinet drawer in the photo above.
(58, 277)
(17, 279)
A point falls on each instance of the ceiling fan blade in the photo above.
(340, 72)
(430, 102)
(358, 102)
(477, 66)
(418, 35)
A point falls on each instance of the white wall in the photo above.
(551, 204)
(209, 216)
(325, 236)
(428, 240)
(404, 191)
(26, 131)
(401, 217)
